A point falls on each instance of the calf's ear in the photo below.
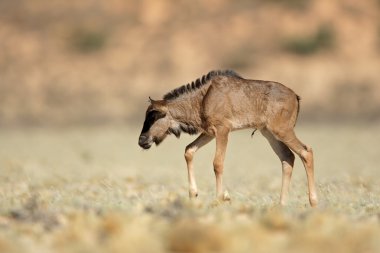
(159, 105)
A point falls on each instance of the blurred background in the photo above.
(93, 62)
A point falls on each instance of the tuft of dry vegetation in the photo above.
(88, 41)
(323, 39)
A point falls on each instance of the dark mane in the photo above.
(198, 83)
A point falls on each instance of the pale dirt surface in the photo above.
(95, 190)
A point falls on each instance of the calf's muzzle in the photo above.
(144, 142)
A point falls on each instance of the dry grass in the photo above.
(94, 190)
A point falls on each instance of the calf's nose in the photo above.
(142, 140)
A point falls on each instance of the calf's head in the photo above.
(156, 125)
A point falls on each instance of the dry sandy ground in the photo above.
(95, 190)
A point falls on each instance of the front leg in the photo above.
(221, 146)
(202, 140)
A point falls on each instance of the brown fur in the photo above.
(221, 102)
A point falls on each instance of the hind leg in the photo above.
(221, 146)
(307, 157)
(287, 159)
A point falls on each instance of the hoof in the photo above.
(193, 194)
(313, 199)
(313, 202)
(284, 200)
(225, 196)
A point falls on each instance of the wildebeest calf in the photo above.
(221, 102)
